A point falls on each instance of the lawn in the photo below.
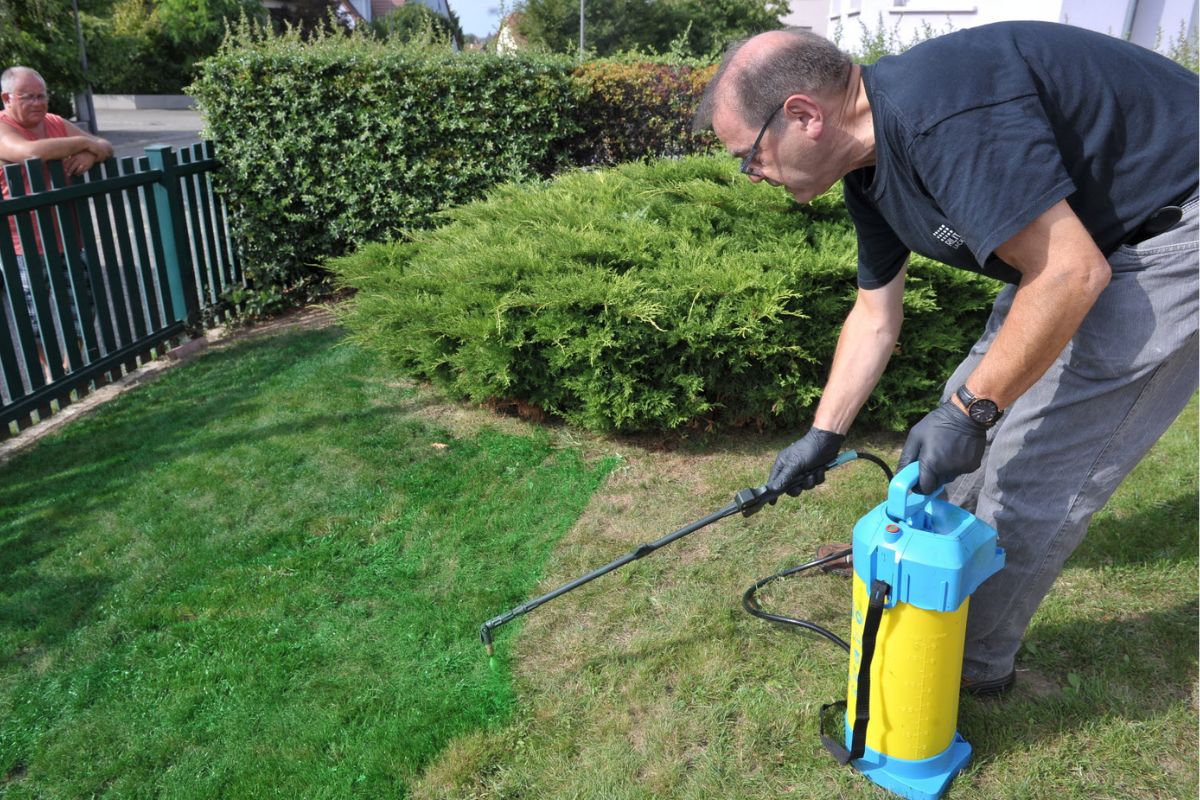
(263, 575)
(653, 683)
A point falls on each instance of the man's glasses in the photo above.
(748, 161)
(31, 98)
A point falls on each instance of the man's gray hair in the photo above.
(804, 63)
(10, 76)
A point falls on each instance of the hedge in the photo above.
(333, 142)
(633, 108)
(329, 144)
(646, 298)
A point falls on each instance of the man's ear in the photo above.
(807, 111)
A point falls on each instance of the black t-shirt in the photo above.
(979, 132)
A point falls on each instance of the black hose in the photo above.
(754, 608)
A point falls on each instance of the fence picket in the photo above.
(95, 273)
(133, 200)
(156, 245)
(20, 314)
(67, 216)
(36, 275)
(173, 229)
(203, 201)
(223, 260)
(128, 269)
(50, 231)
(112, 274)
(196, 239)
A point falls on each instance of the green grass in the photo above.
(653, 683)
(262, 576)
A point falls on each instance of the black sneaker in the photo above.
(990, 688)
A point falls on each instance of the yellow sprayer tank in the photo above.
(917, 559)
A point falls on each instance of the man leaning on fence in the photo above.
(28, 130)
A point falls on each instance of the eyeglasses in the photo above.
(31, 98)
(748, 161)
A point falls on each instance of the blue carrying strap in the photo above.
(862, 710)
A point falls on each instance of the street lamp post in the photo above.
(85, 110)
(581, 31)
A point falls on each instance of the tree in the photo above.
(129, 53)
(134, 46)
(414, 21)
(699, 28)
(199, 25)
(716, 23)
(307, 15)
(41, 34)
(152, 46)
(611, 25)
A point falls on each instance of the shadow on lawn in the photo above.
(50, 606)
(141, 430)
(1163, 531)
(1135, 668)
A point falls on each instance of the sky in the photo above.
(479, 17)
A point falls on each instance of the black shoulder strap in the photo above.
(862, 711)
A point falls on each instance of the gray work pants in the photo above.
(1061, 449)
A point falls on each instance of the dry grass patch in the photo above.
(651, 682)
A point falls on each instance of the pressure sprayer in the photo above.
(916, 560)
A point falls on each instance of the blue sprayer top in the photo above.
(932, 553)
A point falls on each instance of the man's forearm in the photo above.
(1059, 287)
(101, 148)
(1044, 316)
(864, 348)
(54, 149)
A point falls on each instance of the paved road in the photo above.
(131, 132)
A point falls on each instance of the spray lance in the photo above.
(917, 559)
(747, 502)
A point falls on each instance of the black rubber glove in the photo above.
(809, 454)
(948, 443)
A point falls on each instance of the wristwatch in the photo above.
(980, 409)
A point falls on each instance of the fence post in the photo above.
(169, 204)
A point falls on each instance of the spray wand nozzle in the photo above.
(485, 636)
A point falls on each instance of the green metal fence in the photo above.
(113, 270)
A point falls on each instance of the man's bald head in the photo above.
(759, 73)
(10, 76)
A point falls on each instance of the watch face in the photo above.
(984, 411)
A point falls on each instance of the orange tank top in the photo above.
(55, 127)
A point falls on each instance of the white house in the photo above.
(811, 15)
(368, 10)
(1144, 22)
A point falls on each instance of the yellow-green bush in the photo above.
(648, 297)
